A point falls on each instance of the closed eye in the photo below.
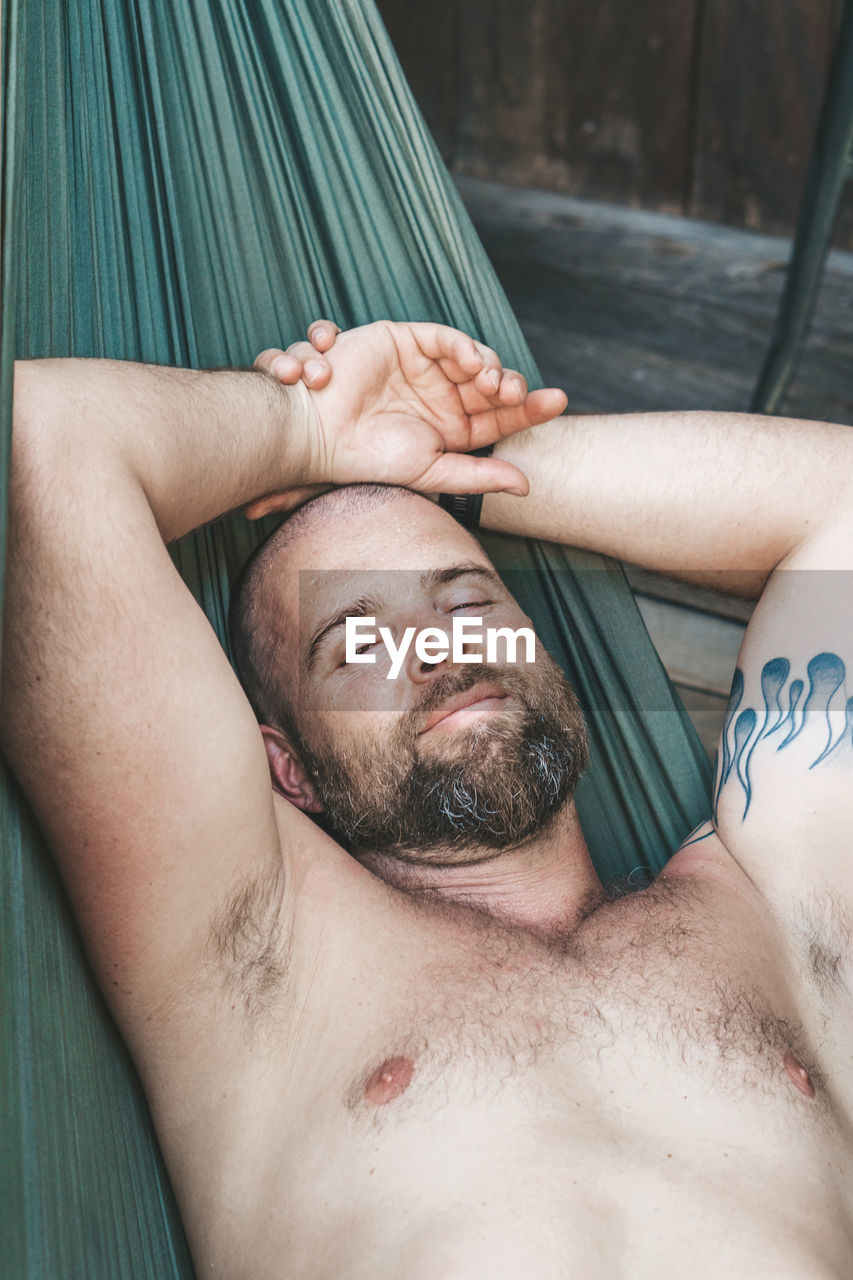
(359, 649)
(471, 604)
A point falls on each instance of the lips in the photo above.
(480, 693)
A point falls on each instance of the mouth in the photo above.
(477, 703)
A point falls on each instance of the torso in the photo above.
(665, 1086)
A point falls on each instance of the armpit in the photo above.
(249, 944)
(825, 930)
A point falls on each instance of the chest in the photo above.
(650, 987)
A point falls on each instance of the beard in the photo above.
(494, 784)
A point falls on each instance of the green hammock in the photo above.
(188, 181)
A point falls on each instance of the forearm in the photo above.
(197, 443)
(716, 498)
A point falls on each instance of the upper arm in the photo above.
(129, 732)
(783, 791)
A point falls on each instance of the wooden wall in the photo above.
(701, 107)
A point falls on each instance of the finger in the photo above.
(545, 404)
(496, 424)
(322, 334)
(463, 473)
(488, 380)
(302, 351)
(492, 385)
(513, 388)
(275, 356)
(454, 372)
(440, 342)
(511, 391)
(470, 355)
(315, 369)
(265, 358)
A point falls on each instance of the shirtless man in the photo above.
(451, 1055)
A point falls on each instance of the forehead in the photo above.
(394, 554)
(364, 553)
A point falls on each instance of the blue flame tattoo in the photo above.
(784, 715)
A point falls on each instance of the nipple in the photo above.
(800, 1078)
(389, 1080)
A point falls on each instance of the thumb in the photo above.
(465, 473)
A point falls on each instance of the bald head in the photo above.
(323, 511)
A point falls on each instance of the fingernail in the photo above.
(494, 379)
(312, 370)
(319, 333)
(517, 493)
(282, 367)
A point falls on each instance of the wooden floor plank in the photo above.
(630, 310)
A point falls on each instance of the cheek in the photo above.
(353, 691)
(359, 737)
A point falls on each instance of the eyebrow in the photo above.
(364, 607)
(441, 577)
(369, 606)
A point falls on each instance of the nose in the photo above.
(432, 653)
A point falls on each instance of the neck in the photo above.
(545, 882)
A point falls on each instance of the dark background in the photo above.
(698, 107)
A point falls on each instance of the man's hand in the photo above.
(403, 404)
(302, 361)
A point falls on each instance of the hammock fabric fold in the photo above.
(187, 182)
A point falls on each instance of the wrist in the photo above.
(293, 460)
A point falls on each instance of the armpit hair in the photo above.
(248, 942)
(826, 933)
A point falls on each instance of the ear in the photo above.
(287, 772)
